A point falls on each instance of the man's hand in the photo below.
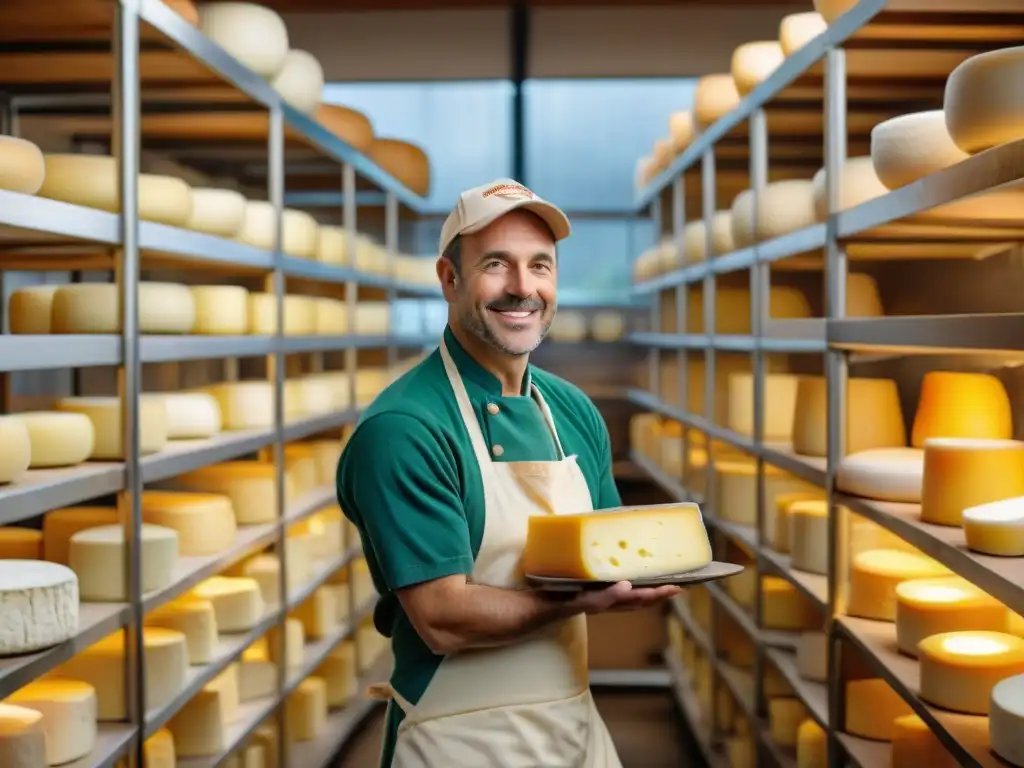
(622, 596)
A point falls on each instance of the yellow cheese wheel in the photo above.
(221, 310)
(798, 29)
(105, 415)
(352, 127)
(874, 576)
(407, 162)
(218, 212)
(782, 207)
(961, 405)
(736, 498)
(862, 296)
(753, 63)
(22, 168)
(695, 241)
(909, 147)
(785, 714)
(808, 535)
(874, 418)
(914, 745)
(780, 390)
(858, 183)
(15, 449)
(779, 537)
(926, 607)
(164, 308)
(981, 104)
(811, 745)
(20, 543)
(965, 472)
(871, 707)
(715, 97)
(959, 669)
(681, 130)
(29, 309)
(58, 439)
(784, 607)
(996, 528)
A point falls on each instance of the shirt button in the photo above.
(492, 409)
(498, 450)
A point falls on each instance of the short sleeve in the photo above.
(399, 482)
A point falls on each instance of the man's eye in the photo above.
(493, 264)
(542, 267)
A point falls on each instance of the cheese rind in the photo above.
(780, 391)
(236, 601)
(811, 745)
(217, 212)
(221, 310)
(68, 708)
(306, 710)
(716, 96)
(996, 528)
(783, 607)
(58, 439)
(874, 417)
(29, 308)
(782, 207)
(875, 574)
(926, 607)
(205, 522)
(251, 33)
(22, 168)
(15, 449)
(909, 147)
(871, 707)
(1006, 718)
(199, 727)
(959, 669)
(244, 404)
(785, 714)
(39, 605)
(858, 183)
(338, 671)
(190, 415)
(981, 107)
(885, 474)
(22, 737)
(195, 619)
(615, 545)
(812, 656)
(953, 404)
(97, 555)
(960, 473)
(808, 535)
(105, 415)
(20, 543)
(798, 29)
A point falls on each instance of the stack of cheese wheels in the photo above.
(253, 34)
(15, 449)
(753, 63)
(910, 147)
(874, 418)
(92, 181)
(996, 528)
(300, 82)
(965, 472)
(871, 708)
(695, 238)
(250, 486)
(405, 161)
(352, 127)
(926, 607)
(798, 29)
(960, 669)
(782, 207)
(915, 744)
(715, 97)
(981, 108)
(681, 130)
(858, 183)
(875, 574)
(22, 168)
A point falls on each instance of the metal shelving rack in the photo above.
(822, 70)
(28, 222)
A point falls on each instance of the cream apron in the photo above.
(526, 705)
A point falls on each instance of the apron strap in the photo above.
(542, 404)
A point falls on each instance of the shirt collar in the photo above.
(471, 370)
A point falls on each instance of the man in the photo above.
(441, 476)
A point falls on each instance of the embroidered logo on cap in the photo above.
(509, 192)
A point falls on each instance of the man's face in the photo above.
(505, 294)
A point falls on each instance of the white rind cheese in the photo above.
(1006, 719)
(38, 605)
(910, 147)
(300, 81)
(753, 63)
(858, 183)
(782, 207)
(216, 211)
(982, 103)
(221, 310)
(996, 528)
(798, 29)
(190, 415)
(251, 33)
(22, 738)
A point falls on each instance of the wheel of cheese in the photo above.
(331, 317)
(373, 318)
(58, 439)
(607, 326)
(245, 404)
(681, 130)
(883, 474)
(831, 10)
(22, 168)
(715, 97)
(300, 82)
(352, 127)
(736, 498)
(964, 472)
(15, 449)
(91, 181)
(960, 669)
(695, 244)
(732, 312)
(812, 656)
(983, 106)
(780, 391)
(190, 415)
(40, 605)
(926, 607)
(299, 230)
(301, 234)
(105, 415)
(753, 63)
(164, 308)
(779, 538)
(808, 535)
(874, 575)
(97, 556)
(910, 147)
(955, 404)
(871, 707)
(783, 207)
(873, 416)
(253, 34)
(332, 245)
(858, 183)
(798, 29)
(221, 310)
(205, 522)
(29, 309)
(568, 326)
(862, 296)
(914, 744)
(1006, 719)
(661, 154)
(407, 162)
(299, 314)
(218, 212)
(996, 528)
(68, 709)
(785, 714)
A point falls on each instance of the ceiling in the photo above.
(325, 6)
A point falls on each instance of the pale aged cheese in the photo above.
(39, 605)
(373, 318)
(955, 404)
(21, 165)
(29, 309)
(777, 533)
(216, 211)
(20, 543)
(257, 675)
(681, 130)
(68, 708)
(103, 666)
(629, 543)
(199, 727)
(306, 710)
(57, 439)
(298, 229)
(862, 297)
(914, 745)
(798, 29)
(326, 531)
(811, 745)
(996, 528)
(695, 239)
(331, 317)
(858, 183)
(244, 404)
(226, 683)
(338, 671)
(926, 607)
(753, 63)
(1006, 718)
(299, 314)
(164, 308)
(874, 575)
(808, 535)
(236, 601)
(105, 415)
(885, 474)
(780, 390)
(965, 472)
(22, 738)
(871, 707)
(61, 524)
(318, 614)
(783, 607)
(253, 34)
(205, 522)
(782, 207)
(959, 669)
(981, 106)
(221, 310)
(97, 555)
(332, 245)
(300, 81)
(873, 416)
(607, 326)
(784, 717)
(293, 653)
(715, 97)
(568, 326)
(250, 485)
(812, 656)
(736, 497)
(195, 619)
(158, 750)
(15, 449)
(190, 415)
(910, 147)
(266, 567)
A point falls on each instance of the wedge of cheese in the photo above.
(618, 544)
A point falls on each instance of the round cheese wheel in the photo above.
(218, 212)
(695, 244)
(69, 713)
(871, 707)
(681, 130)
(783, 207)
(22, 168)
(15, 449)
(954, 404)
(875, 574)
(862, 297)
(960, 473)
(780, 390)
(915, 744)
(300, 81)
(58, 439)
(982, 103)
(883, 474)
(798, 29)
(186, 9)
(926, 607)
(299, 230)
(352, 127)
(190, 415)
(331, 244)
(715, 97)
(662, 154)
(1006, 719)
(568, 326)
(253, 34)
(607, 326)
(909, 147)
(831, 10)
(221, 310)
(960, 669)
(996, 528)
(858, 183)
(874, 417)
(408, 163)
(753, 63)
(91, 181)
(29, 309)
(105, 415)
(93, 308)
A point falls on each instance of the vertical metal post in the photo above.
(125, 140)
(520, 32)
(391, 245)
(654, 354)
(836, 376)
(682, 289)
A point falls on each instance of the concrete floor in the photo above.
(645, 726)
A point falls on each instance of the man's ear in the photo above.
(448, 278)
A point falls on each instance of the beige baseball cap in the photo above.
(479, 206)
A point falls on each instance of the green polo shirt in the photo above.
(409, 480)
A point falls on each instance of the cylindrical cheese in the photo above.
(196, 620)
(959, 669)
(831, 10)
(94, 308)
(965, 472)
(405, 161)
(332, 245)
(753, 63)
(812, 656)
(245, 404)
(60, 525)
(811, 745)
(251, 486)
(190, 415)
(20, 543)
(874, 576)
(961, 405)
(221, 310)
(1006, 718)
(299, 230)
(15, 449)
(300, 81)
(695, 240)
(40, 606)
(251, 33)
(352, 127)
(22, 168)
(915, 745)
(105, 415)
(926, 607)
(715, 97)
(784, 607)
(885, 474)
(910, 147)
(780, 391)
(871, 707)
(862, 297)
(68, 708)
(681, 130)
(782, 207)
(607, 326)
(299, 314)
(22, 737)
(982, 105)
(996, 528)
(58, 439)
(873, 416)
(858, 183)
(808, 535)
(568, 326)
(736, 500)
(205, 522)
(218, 212)
(798, 29)
(785, 714)
(98, 554)
(29, 309)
